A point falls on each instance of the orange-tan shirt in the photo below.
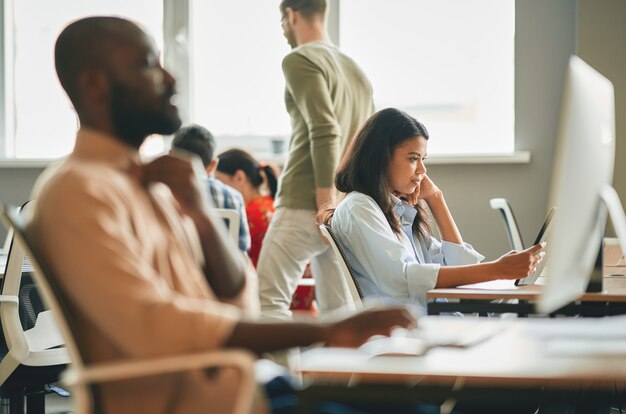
(129, 262)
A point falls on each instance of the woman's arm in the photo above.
(445, 222)
(513, 265)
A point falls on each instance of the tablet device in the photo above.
(541, 237)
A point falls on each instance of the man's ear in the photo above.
(292, 16)
(239, 177)
(94, 84)
(212, 166)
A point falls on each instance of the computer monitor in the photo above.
(581, 185)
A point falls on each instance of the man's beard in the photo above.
(132, 124)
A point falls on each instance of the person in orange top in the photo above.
(257, 182)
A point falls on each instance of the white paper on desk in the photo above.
(610, 327)
(500, 284)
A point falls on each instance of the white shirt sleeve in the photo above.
(376, 253)
(451, 254)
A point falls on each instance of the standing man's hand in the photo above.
(325, 198)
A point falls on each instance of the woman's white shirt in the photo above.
(386, 264)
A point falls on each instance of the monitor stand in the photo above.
(597, 274)
(611, 200)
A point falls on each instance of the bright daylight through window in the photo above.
(450, 63)
(40, 122)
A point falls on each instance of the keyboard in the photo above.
(418, 341)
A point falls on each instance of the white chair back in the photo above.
(36, 347)
(82, 377)
(355, 301)
(233, 225)
(7, 242)
(515, 238)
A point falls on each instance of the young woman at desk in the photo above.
(382, 223)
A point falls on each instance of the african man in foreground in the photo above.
(143, 263)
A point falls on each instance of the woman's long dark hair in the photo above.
(365, 165)
(237, 159)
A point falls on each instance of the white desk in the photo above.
(516, 357)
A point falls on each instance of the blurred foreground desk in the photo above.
(480, 298)
(528, 358)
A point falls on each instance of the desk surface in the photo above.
(518, 356)
(614, 290)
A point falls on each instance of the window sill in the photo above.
(517, 157)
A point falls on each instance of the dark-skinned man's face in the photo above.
(141, 90)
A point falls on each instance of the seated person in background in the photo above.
(382, 225)
(140, 258)
(258, 182)
(200, 141)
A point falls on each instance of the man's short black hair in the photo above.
(307, 8)
(196, 139)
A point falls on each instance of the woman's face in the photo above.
(406, 167)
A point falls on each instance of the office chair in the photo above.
(512, 230)
(233, 218)
(83, 378)
(7, 242)
(355, 301)
(33, 352)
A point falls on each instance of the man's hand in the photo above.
(181, 176)
(357, 329)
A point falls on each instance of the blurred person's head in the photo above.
(197, 140)
(241, 171)
(110, 70)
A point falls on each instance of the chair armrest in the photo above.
(9, 298)
(241, 360)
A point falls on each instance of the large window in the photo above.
(237, 82)
(448, 62)
(39, 119)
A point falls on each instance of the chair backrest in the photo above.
(233, 218)
(7, 242)
(31, 344)
(356, 299)
(82, 378)
(44, 280)
(515, 238)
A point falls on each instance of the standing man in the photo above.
(200, 141)
(328, 97)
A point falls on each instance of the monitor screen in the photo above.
(583, 166)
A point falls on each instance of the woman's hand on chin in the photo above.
(426, 188)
